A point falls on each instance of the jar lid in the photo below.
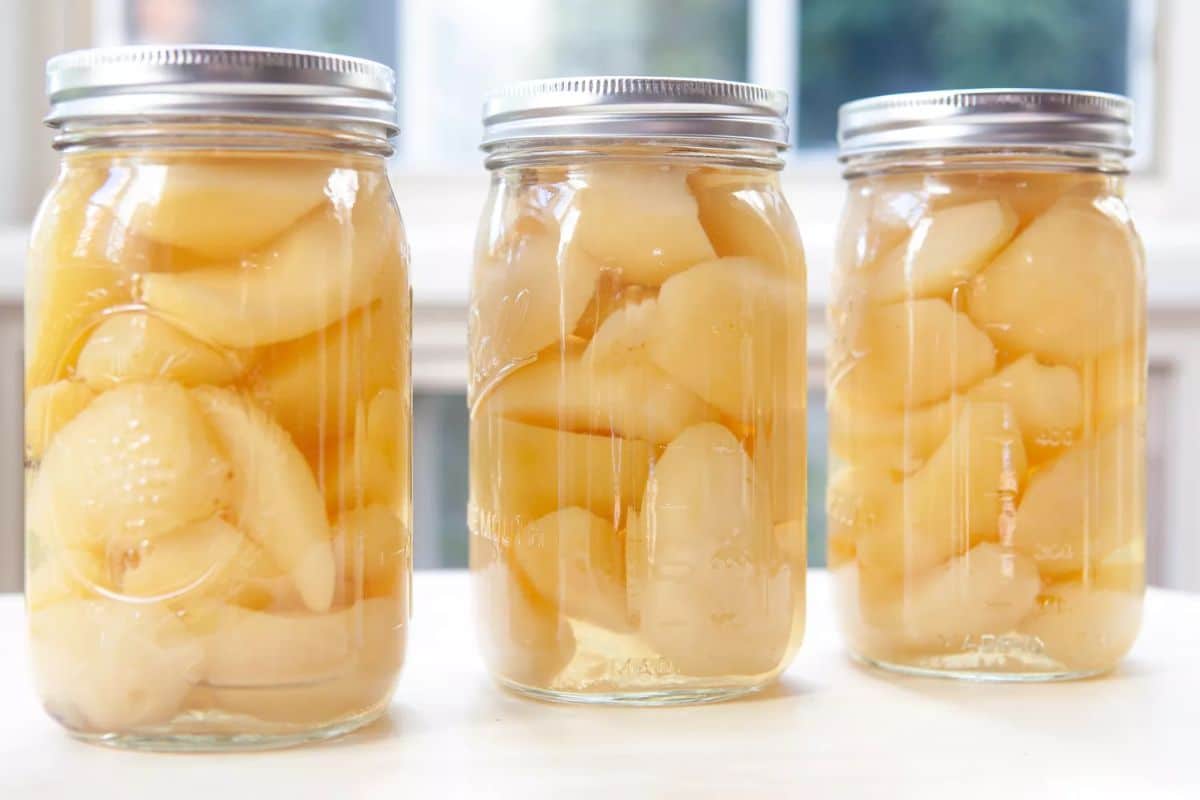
(632, 107)
(1095, 122)
(214, 81)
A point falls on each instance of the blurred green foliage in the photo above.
(860, 48)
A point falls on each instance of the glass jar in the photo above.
(987, 386)
(218, 403)
(637, 393)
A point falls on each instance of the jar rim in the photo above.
(983, 159)
(560, 151)
(142, 82)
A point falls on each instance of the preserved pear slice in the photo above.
(1122, 570)
(610, 295)
(987, 590)
(47, 409)
(966, 492)
(371, 549)
(73, 222)
(792, 537)
(74, 280)
(523, 472)
(636, 563)
(564, 389)
(977, 469)
(1047, 403)
(623, 333)
(897, 440)
(1120, 382)
(641, 220)
(527, 294)
(523, 636)
(64, 303)
(780, 461)
(858, 501)
(314, 385)
(747, 217)
(195, 568)
(1086, 504)
(327, 265)
(725, 330)
(908, 355)
(574, 559)
(61, 576)
(717, 599)
(196, 557)
(372, 629)
(140, 347)
(1085, 628)
(1063, 288)
(104, 665)
(275, 498)
(872, 222)
(944, 250)
(253, 648)
(373, 466)
(1028, 194)
(138, 462)
(222, 209)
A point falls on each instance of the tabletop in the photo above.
(829, 728)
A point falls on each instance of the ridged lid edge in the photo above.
(152, 79)
(986, 117)
(629, 106)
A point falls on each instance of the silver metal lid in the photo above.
(979, 118)
(632, 107)
(220, 82)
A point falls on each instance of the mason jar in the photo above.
(218, 403)
(637, 392)
(987, 386)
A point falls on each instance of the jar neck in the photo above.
(717, 152)
(985, 160)
(265, 135)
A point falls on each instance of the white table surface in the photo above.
(829, 729)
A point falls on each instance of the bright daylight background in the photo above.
(448, 53)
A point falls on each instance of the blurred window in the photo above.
(449, 53)
(364, 28)
(457, 50)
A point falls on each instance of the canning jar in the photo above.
(218, 402)
(637, 392)
(987, 385)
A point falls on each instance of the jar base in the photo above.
(982, 675)
(678, 696)
(199, 741)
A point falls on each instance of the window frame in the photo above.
(772, 59)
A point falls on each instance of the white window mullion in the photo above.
(110, 20)
(1142, 82)
(773, 49)
(1178, 115)
(418, 63)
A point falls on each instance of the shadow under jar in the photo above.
(986, 386)
(637, 393)
(218, 401)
